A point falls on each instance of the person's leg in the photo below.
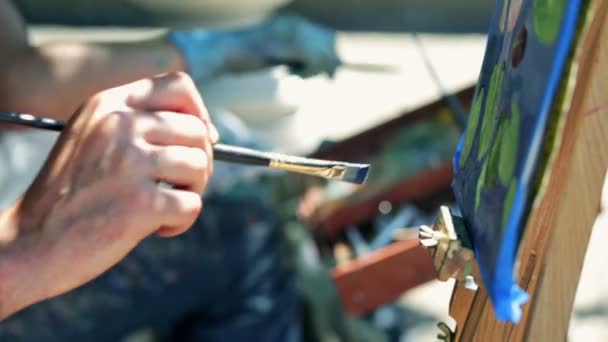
(257, 299)
(223, 281)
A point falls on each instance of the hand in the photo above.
(98, 196)
(289, 40)
(296, 42)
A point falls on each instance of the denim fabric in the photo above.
(223, 280)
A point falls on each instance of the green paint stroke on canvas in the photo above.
(509, 144)
(490, 111)
(548, 16)
(510, 197)
(471, 127)
(494, 154)
(480, 185)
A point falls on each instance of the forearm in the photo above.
(54, 79)
(16, 290)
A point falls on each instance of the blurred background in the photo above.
(410, 70)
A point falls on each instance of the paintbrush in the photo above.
(333, 170)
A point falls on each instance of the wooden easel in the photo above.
(558, 229)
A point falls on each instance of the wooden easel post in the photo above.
(555, 240)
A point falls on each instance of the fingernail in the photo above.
(215, 135)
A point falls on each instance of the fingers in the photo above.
(177, 210)
(173, 129)
(174, 92)
(168, 128)
(185, 167)
(171, 92)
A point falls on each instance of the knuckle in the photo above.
(108, 125)
(134, 162)
(186, 85)
(142, 198)
(180, 77)
(134, 204)
(129, 157)
(135, 156)
(116, 124)
(94, 101)
(114, 133)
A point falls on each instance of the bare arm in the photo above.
(53, 79)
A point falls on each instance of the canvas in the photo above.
(499, 156)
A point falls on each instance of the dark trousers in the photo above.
(224, 280)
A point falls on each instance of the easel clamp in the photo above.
(449, 244)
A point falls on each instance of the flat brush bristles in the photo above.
(346, 172)
(356, 173)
